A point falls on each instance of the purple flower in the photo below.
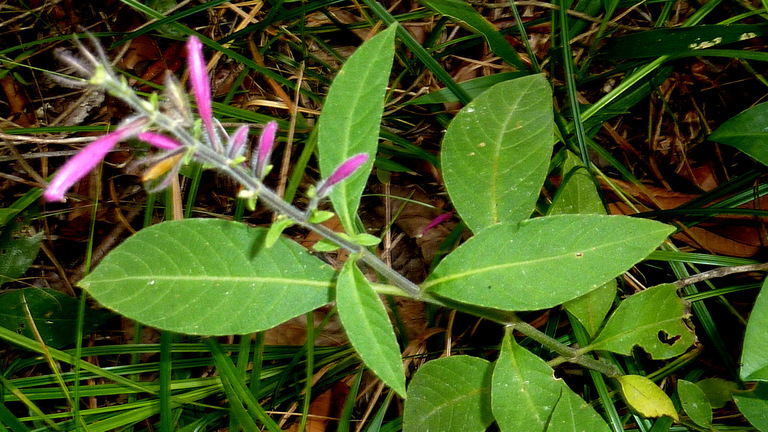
(159, 141)
(346, 169)
(264, 151)
(77, 167)
(201, 87)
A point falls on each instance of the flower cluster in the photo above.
(205, 140)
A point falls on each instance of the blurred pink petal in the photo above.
(437, 221)
(159, 141)
(87, 159)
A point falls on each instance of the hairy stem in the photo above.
(278, 205)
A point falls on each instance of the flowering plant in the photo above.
(224, 277)
(214, 147)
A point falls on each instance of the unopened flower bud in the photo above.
(346, 169)
(201, 87)
(236, 144)
(264, 150)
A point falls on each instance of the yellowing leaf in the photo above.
(646, 398)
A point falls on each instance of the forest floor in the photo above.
(653, 147)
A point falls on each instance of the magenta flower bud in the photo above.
(264, 151)
(346, 169)
(159, 141)
(201, 86)
(237, 141)
(87, 159)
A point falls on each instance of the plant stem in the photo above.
(568, 354)
(278, 205)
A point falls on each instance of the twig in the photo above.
(719, 272)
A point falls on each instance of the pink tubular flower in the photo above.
(77, 167)
(159, 141)
(237, 141)
(264, 151)
(201, 86)
(346, 169)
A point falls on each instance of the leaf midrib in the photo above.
(201, 278)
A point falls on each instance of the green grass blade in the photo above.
(466, 14)
(7, 417)
(419, 51)
(238, 392)
(32, 345)
(309, 369)
(166, 368)
(603, 392)
(571, 84)
(29, 404)
(349, 405)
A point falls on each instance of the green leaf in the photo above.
(524, 391)
(242, 402)
(209, 277)
(351, 117)
(320, 216)
(747, 132)
(718, 391)
(662, 424)
(276, 229)
(474, 87)
(54, 313)
(6, 214)
(754, 362)
(645, 397)
(364, 239)
(676, 41)
(527, 397)
(325, 245)
(695, 403)
(450, 394)
(653, 320)
(754, 406)
(18, 247)
(572, 414)
(466, 14)
(592, 308)
(578, 194)
(496, 152)
(367, 324)
(577, 25)
(544, 262)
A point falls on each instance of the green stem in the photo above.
(278, 205)
(568, 354)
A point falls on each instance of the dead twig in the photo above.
(719, 272)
